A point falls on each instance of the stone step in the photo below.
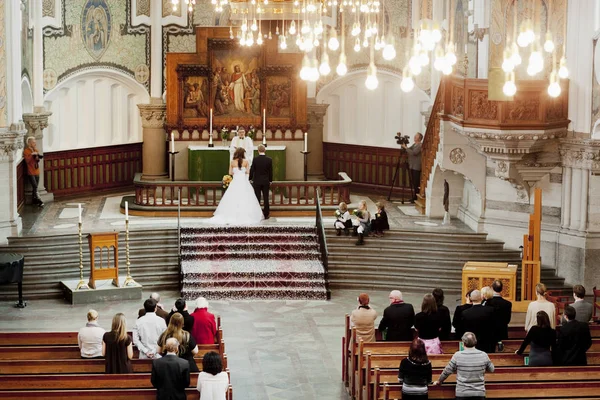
(250, 238)
(342, 241)
(260, 229)
(266, 294)
(251, 255)
(425, 236)
(260, 282)
(419, 256)
(272, 247)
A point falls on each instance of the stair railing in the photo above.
(322, 240)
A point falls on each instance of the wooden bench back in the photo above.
(97, 394)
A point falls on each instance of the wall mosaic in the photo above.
(26, 41)
(97, 33)
(3, 111)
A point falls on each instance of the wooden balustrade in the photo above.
(207, 194)
(73, 171)
(431, 142)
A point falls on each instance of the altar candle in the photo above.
(126, 211)
(210, 126)
(172, 143)
(305, 142)
(264, 138)
(79, 212)
(264, 122)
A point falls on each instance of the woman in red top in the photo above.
(205, 328)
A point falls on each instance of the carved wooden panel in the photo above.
(458, 101)
(481, 107)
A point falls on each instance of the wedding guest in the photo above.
(204, 330)
(380, 223)
(342, 220)
(32, 159)
(187, 345)
(213, 382)
(542, 339)
(363, 222)
(502, 311)
(584, 309)
(147, 330)
(428, 325)
(444, 313)
(457, 318)
(160, 309)
(181, 308)
(170, 374)
(363, 319)
(479, 320)
(398, 319)
(541, 304)
(415, 372)
(117, 347)
(90, 337)
(574, 339)
(486, 294)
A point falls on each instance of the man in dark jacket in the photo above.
(398, 319)
(574, 340)
(261, 175)
(181, 308)
(457, 318)
(502, 311)
(159, 308)
(170, 374)
(479, 319)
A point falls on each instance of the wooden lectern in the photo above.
(106, 243)
(476, 275)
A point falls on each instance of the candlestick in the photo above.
(264, 121)
(126, 211)
(172, 143)
(210, 136)
(81, 284)
(79, 206)
(305, 142)
(128, 279)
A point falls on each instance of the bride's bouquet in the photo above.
(338, 213)
(226, 181)
(357, 213)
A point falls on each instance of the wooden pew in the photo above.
(76, 366)
(500, 375)
(97, 394)
(72, 352)
(529, 390)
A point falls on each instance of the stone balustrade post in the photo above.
(154, 140)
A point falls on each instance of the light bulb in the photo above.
(305, 70)
(318, 29)
(536, 61)
(522, 39)
(507, 65)
(270, 35)
(407, 84)
(324, 68)
(450, 55)
(436, 34)
(342, 69)
(357, 45)
(293, 28)
(283, 44)
(355, 29)
(372, 82)
(414, 65)
(365, 42)
(515, 57)
(563, 72)
(531, 71)
(554, 89)
(509, 88)
(305, 28)
(243, 40)
(254, 26)
(244, 26)
(334, 43)
(424, 59)
(259, 39)
(447, 69)
(549, 44)
(389, 52)
(250, 39)
(440, 60)
(314, 71)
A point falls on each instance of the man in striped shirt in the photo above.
(470, 366)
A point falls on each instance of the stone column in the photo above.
(38, 58)
(35, 124)
(316, 114)
(155, 146)
(156, 54)
(11, 150)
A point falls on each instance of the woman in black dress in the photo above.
(542, 339)
(429, 325)
(187, 345)
(443, 312)
(117, 347)
(415, 372)
(380, 223)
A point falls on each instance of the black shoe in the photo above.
(266, 217)
(338, 232)
(360, 240)
(347, 231)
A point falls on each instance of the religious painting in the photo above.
(279, 93)
(235, 82)
(195, 97)
(96, 27)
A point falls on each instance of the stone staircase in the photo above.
(414, 261)
(260, 262)
(50, 259)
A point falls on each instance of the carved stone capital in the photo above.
(153, 115)
(580, 153)
(36, 123)
(11, 141)
(316, 113)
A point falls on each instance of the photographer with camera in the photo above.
(414, 161)
(32, 158)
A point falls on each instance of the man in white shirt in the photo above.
(241, 140)
(147, 330)
(90, 337)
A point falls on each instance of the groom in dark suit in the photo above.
(261, 175)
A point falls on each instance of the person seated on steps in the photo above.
(362, 223)
(380, 223)
(342, 219)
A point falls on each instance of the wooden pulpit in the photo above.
(476, 275)
(104, 257)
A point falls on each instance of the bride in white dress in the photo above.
(239, 205)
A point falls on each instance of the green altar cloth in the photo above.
(211, 163)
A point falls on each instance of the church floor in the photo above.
(276, 349)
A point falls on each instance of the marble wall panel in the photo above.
(3, 110)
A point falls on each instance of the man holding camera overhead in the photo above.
(414, 162)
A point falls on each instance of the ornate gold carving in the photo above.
(458, 102)
(523, 109)
(153, 115)
(555, 109)
(481, 107)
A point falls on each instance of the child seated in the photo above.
(380, 223)
(342, 219)
(363, 222)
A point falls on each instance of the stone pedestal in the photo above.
(155, 145)
(35, 124)
(11, 149)
(316, 114)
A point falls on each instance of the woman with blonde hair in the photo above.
(363, 222)
(187, 345)
(541, 304)
(117, 347)
(486, 293)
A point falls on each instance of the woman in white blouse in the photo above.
(90, 337)
(212, 381)
(541, 304)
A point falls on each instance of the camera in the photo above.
(400, 140)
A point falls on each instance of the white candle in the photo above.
(210, 127)
(264, 122)
(172, 142)
(79, 212)
(305, 142)
(466, 49)
(126, 211)
(264, 138)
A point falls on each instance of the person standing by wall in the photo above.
(414, 162)
(32, 159)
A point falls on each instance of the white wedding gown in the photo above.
(239, 205)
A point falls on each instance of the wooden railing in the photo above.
(322, 241)
(286, 194)
(431, 140)
(371, 168)
(73, 171)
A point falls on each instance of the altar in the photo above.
(211, 163)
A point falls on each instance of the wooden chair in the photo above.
(595, 316)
